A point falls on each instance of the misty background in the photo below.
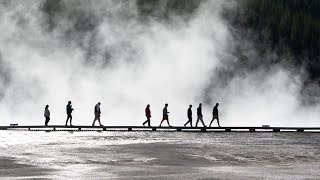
(127, 54)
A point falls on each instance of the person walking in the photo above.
(215, 115)
(46, 115)
(97, 114)
(189, 114)
(148, 115)
(69, 110)
(165, 115)
(200, 116)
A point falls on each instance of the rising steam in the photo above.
(117, 53)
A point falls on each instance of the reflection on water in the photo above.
(160, 155)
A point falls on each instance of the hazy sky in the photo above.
(90, 51)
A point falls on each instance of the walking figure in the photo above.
(200, 116)
(69, 112)
(148, 115)
(189, 114)
(97, 114)
(215, 115)
(47, 115)
(165, 115)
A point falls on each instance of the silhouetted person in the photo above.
(165, 115)
(47, 115)
(148, 115)
(189, 114)
(200, 116)
(69, 112)
(215, 114)
(97, 114)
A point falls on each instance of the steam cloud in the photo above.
(109, 51)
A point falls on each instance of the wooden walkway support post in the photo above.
(276, 130)
(300, 130)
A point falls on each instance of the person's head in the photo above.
(217, 104)
(190, 106)
(148, 105)
(69, 102)
(99, 103)
(166, 105)
(200, 104)
(47, 106)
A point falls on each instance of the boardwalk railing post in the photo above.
(54, 128)
(252, 130)
(276, 130)
(104, 129)
(300, 130)
(203, 129)
(179, 129)
(79, 129)
(228, 130)
(130, 129)
(154, 129)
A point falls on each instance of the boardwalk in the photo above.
(155, 128)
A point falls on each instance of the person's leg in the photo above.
(67, 120)
(168, 122)
(94, 121)
(70, 120)
(218, 121)
(149, 123)
(202, 122)
(99, 121)
(46, 122)
(161, 122)
(197, 121)
(145, 121)
(211, 122)
(187, 122)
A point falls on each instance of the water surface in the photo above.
(159, 155)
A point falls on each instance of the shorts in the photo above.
(69, 115)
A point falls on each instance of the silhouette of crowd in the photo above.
(165, 115)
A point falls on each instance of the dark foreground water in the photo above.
(159, 155)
